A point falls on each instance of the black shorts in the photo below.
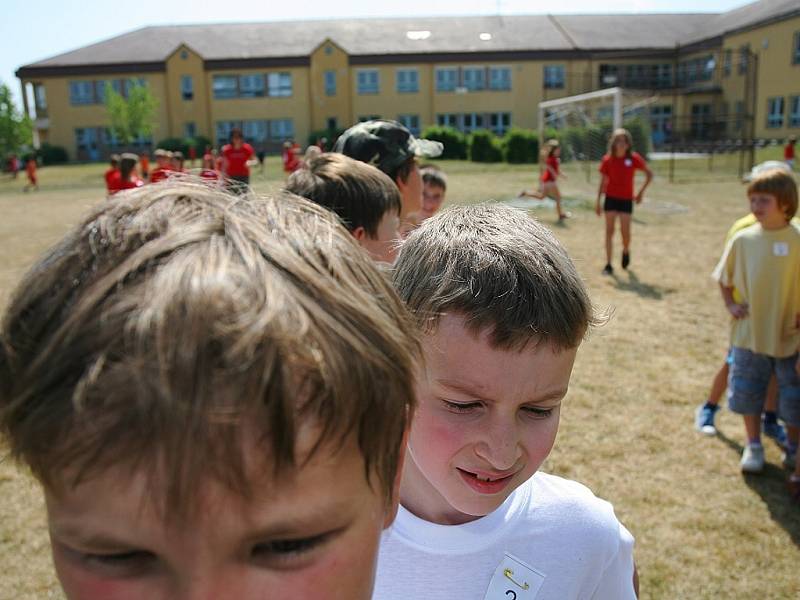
(238, 184)
(618, 205)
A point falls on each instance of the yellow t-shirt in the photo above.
(764, 266)
(744, 223)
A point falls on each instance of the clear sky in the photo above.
(38, 29)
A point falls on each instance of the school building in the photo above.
(733, 75)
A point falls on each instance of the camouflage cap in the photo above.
(384, 144)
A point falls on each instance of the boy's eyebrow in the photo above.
(470, 391)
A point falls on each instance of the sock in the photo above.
(754, 442)
(711, 405)
(770, 416)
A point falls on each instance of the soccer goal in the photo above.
(583, 122)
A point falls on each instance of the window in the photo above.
(446, 79)
(280, 85)
(100, 90)
(663, 75)
(39, 97)
(500, 122)
(697, 69)
(701, 120)
(636, 76)
(474, 78)
(609, 75)
(794, 111)
(109, 138)
(738, 122)
(472, 121)
(225, 86)
(251, 86)
(744, 58)
(330, 83)
(500, 78)
(407, 81)
(281, 129)
(86, 140)
(661, 123)
(447, 120)
(333, 124)
(411, 122)
(81, 92)
(129, 84)
(368, 82)
(726, 62)
(187, 87)
(554, 77)
(255, 132)
(189, 129)
(775, 112)
(796, 48)
(224, 130)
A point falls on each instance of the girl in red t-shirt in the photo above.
(548, 180)
(127, 178)
(618, 169)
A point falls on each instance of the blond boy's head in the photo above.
(502, 311)
(779, 183)
(187, 366)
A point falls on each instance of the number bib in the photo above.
(514, 580)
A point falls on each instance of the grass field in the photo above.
(702, 529)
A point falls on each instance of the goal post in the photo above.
(613, 94)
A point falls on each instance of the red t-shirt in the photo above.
(116, 184)
(209, 175)
(159, 174)
(110, 175)
(788, 152)
(237, 159)
(620, 172)
(552, 162)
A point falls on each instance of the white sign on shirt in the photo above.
(514, 580)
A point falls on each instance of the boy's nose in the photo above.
(500, 447)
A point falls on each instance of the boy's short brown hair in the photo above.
(501, 270)
(780, 184)
(172, 320)
(358, 193)
(433, 176)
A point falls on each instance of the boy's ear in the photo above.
(395, 500)
(359, 233)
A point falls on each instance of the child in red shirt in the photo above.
(788, 151)
(113, 172)
(30, 169)
(548, 181)
(127, 178)
(619, 168)
(235, 162)
(163, 166)
(291, 161)
(209, 173)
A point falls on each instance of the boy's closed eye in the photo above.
(474, 406)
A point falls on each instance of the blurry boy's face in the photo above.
(485, 422)
(432, 199)
(411, 191)
(311, 534)
(383, 247)
(767, 210)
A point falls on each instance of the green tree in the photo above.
(16, 129)
(133, 116)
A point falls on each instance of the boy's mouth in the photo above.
(485, 484)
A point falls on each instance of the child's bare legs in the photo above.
(551, 190)
(611, 215)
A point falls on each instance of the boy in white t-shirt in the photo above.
(502, 311)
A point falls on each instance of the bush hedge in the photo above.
(456, 145)
(52, 155)
(485, 147)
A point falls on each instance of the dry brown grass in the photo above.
(702, 529)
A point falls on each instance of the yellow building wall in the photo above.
(295, 107)
(185, 61)
(776, 75)
(64, 118)
(330, 57)
(389, 103)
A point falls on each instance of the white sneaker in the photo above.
(752, 458)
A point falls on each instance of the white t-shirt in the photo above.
(572, 540)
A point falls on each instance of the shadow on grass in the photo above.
(771, 486)
(644, 290)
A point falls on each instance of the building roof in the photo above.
(416, 36)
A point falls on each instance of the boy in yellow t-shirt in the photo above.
(762, 263)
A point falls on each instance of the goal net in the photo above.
(583, 123)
